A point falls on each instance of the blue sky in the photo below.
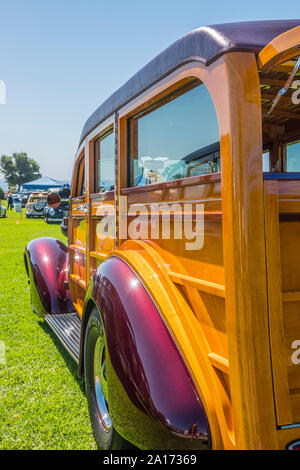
(61, 58)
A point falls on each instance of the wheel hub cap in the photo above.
(100, 383)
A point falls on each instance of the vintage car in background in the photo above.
(56, 215)
(2, 210)
(178, 292)
(22, 197)
(15, 198)
(36, 204)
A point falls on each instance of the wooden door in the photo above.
(78, 236)
(102, 217)
(282, 222)
(279, 73)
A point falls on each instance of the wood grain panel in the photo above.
(277, 336)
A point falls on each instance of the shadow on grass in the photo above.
(70, 363)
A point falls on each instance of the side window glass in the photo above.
(104, 163)
(266, 161)
(176, 138)
(293, 157)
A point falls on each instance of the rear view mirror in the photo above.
(53, 200)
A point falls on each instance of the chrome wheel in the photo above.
(100, 383)
(95, 360)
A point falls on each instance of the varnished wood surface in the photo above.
(244, 258)
(282, 48)
(283, 260)
(277, 334)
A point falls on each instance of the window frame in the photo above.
(105, 133)
(80, 176)
(157, 102)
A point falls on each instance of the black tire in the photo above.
(105, 434)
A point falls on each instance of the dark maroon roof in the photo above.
(205, 45)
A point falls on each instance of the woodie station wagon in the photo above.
(179, 291)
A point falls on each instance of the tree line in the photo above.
(18, 169)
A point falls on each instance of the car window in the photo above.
(105, 162)
(293, 157)
(266, 161)
(179, 138)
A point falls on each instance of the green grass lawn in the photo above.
(42, 402)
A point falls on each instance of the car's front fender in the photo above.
(46, 261)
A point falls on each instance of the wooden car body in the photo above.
(224, 317)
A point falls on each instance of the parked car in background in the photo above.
(36, 204)
(2, 210)
(21, 197)
(24, 196)
(15, 198)
(57, 214)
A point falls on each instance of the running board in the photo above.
(66, 327)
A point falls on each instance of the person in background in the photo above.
(9, 201)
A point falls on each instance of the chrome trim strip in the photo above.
(289, 426)
(292, 444)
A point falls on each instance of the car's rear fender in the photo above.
(152, 398)
(46, 262)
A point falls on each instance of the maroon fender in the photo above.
(46, 261)
(148, 366)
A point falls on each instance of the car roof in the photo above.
(205, 44)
